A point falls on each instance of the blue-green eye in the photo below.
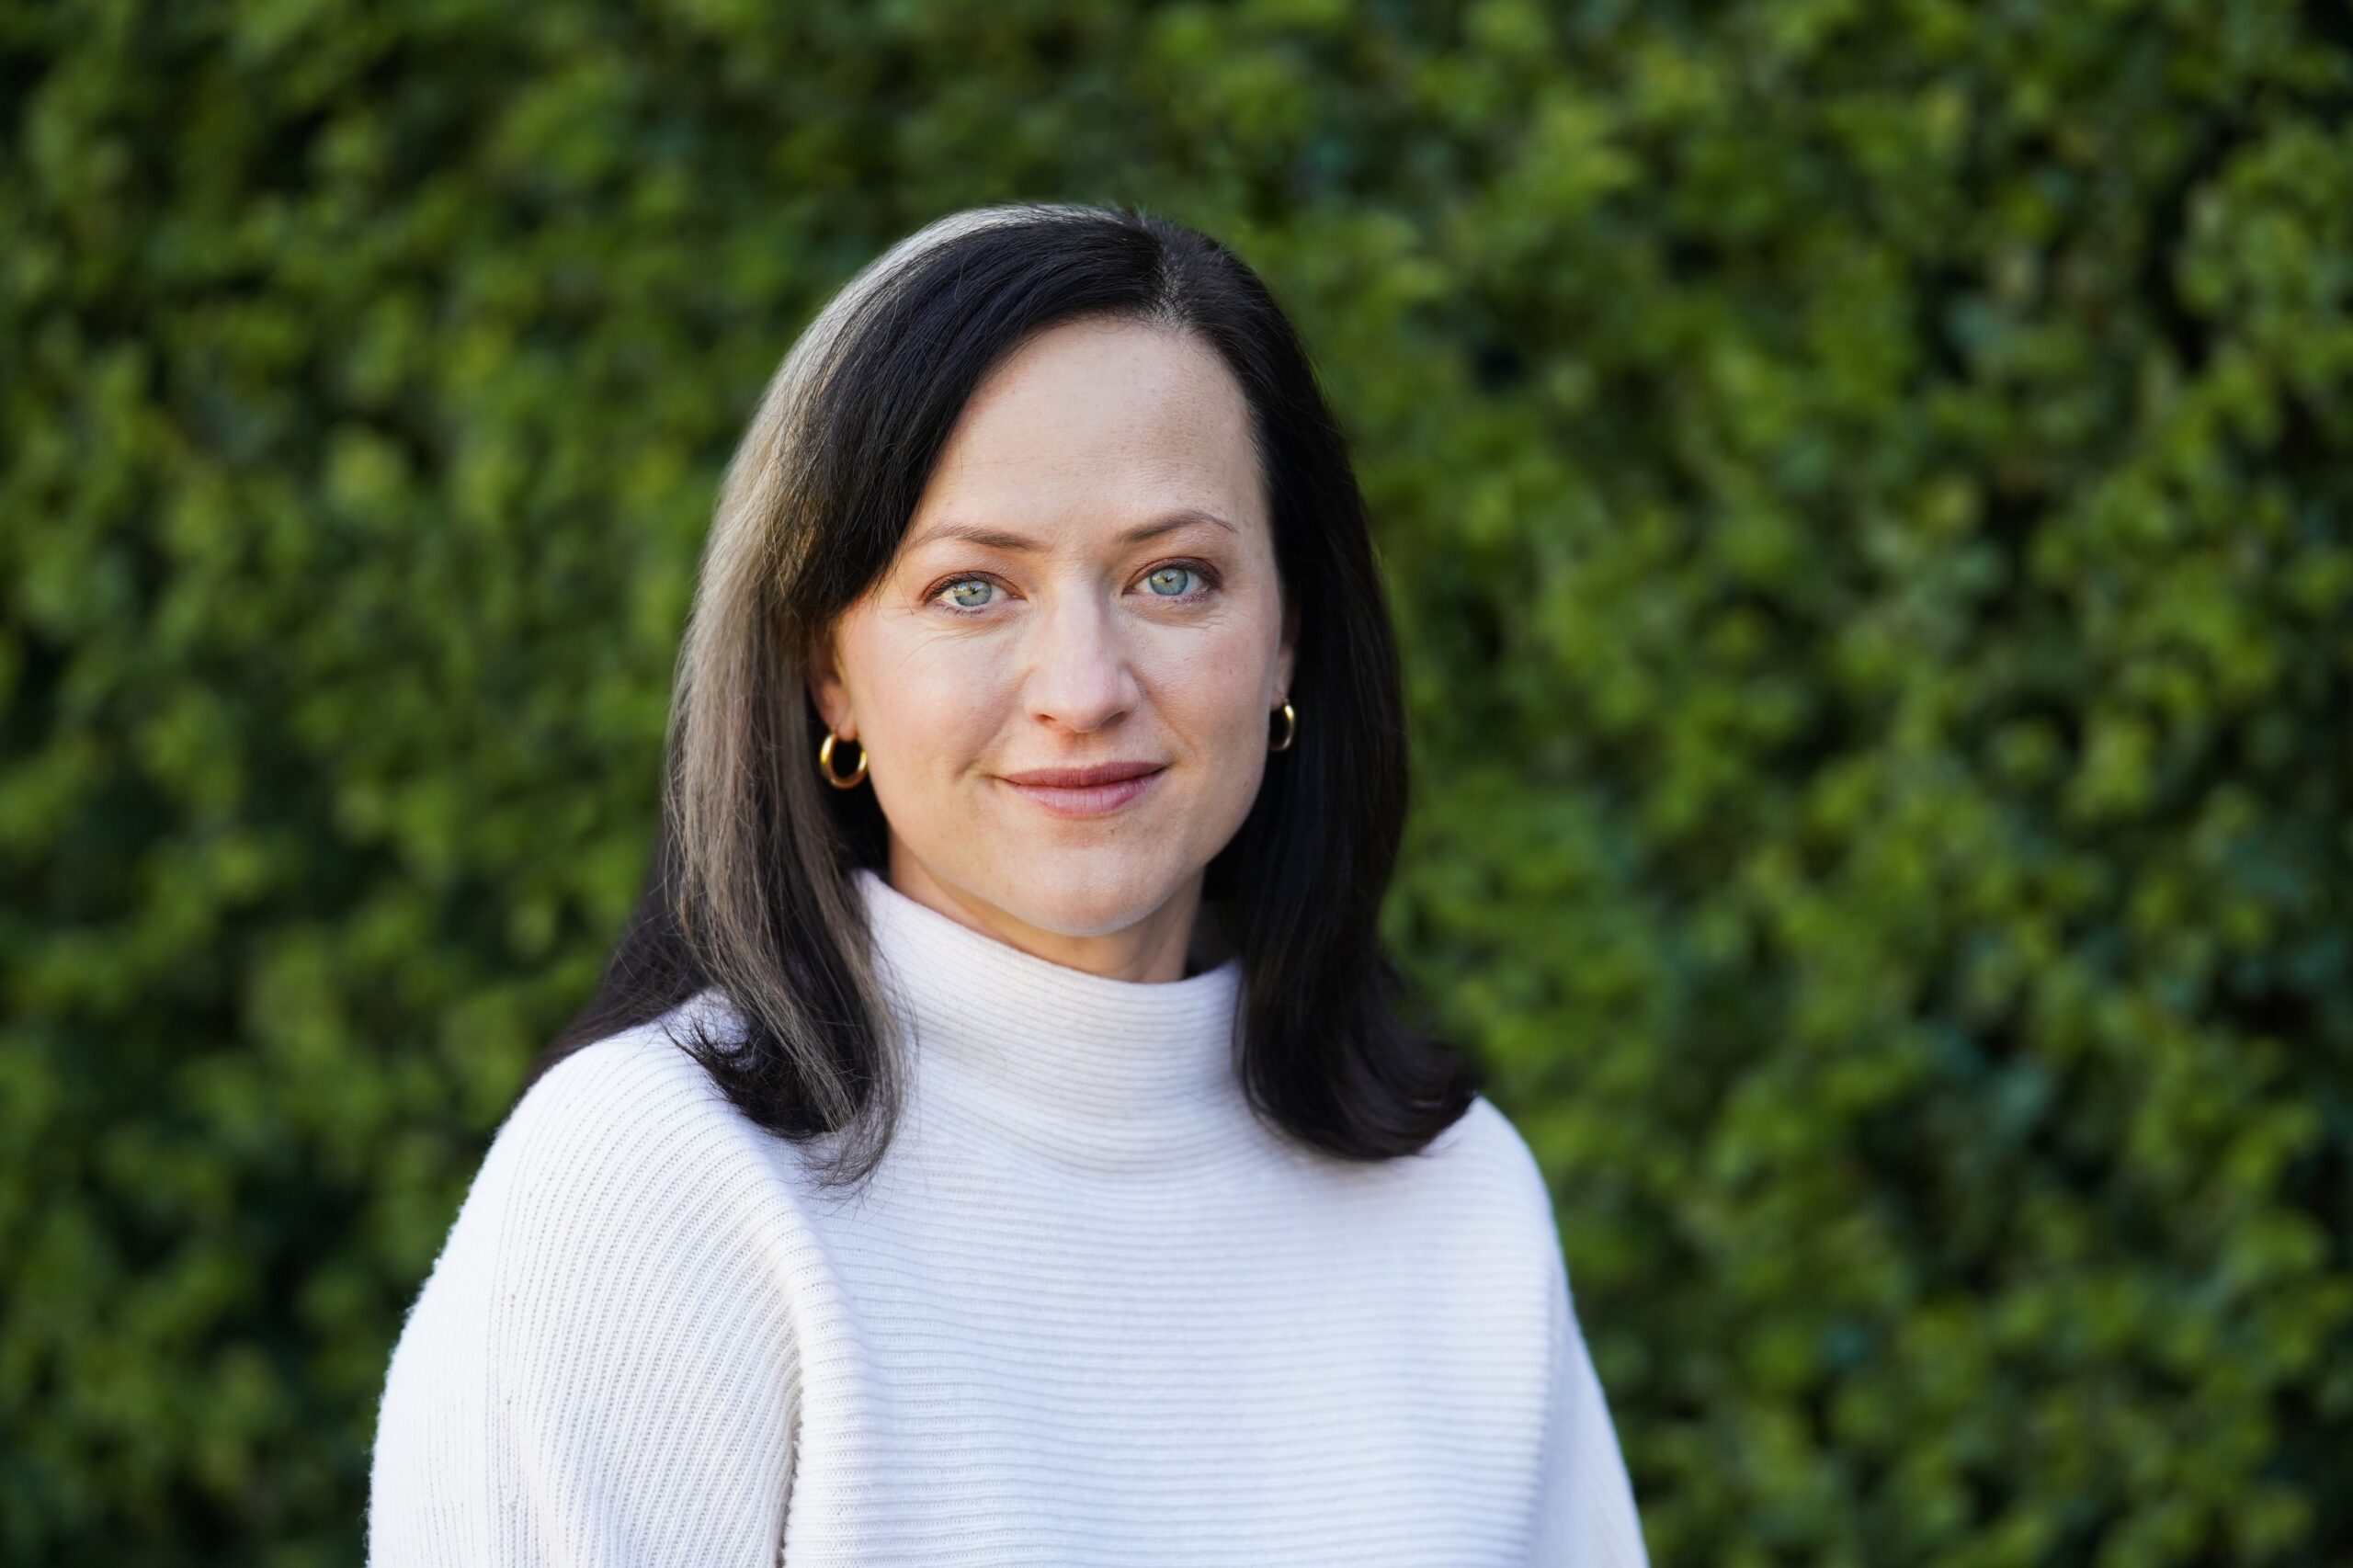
(971, 593)
(1170, 581)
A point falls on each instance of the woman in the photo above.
(993, 1141)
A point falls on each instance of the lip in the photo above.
(1084, 777)
(1091, 791)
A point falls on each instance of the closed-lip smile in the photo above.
(1097, 790)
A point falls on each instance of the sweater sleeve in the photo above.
(1585, 1516)
(598, 1370)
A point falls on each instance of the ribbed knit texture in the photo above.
(1090, 1310)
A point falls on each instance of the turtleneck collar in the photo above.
(1107, 1064)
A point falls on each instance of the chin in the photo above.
(1068, 895)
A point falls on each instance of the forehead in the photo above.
(1098, 422)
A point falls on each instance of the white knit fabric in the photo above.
(1089, 1311)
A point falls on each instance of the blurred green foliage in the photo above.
(1866, 498)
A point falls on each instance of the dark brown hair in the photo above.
(748, 887)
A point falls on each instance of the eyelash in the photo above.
(1208, 585)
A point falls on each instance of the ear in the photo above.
(826, 689)
(1287, 654)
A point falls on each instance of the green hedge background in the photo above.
(1866, 492)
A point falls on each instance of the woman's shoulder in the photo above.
(612, 1097)
(1485, 1150)
(629, 1130)
(633, 1074)
(614, 1285)
(622, 1187)
(1472, 1198)
(1480, 1195)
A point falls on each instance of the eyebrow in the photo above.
(1020, 544)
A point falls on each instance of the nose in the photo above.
(1080, 674)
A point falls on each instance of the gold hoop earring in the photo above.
(825, 762)
(1291, 728)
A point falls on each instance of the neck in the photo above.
(1081, 1066)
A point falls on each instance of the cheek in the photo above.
(934, 718)
(1210, 690)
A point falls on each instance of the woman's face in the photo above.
(1088, 583)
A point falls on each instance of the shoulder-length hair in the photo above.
(748, 889)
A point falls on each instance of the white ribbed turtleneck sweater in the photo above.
(1088, 1310)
